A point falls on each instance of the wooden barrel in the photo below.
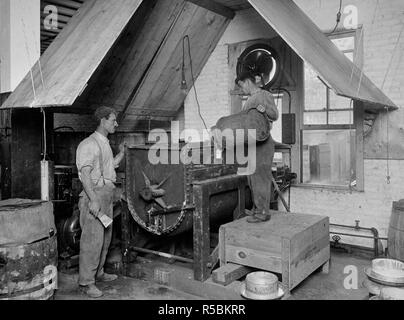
(28, 250)
(29, 272)
(25, 221)
(396, 232)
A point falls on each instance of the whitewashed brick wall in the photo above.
(381, 30)
(380, 33)
(372, 207)
(212, 91)
(213, 83)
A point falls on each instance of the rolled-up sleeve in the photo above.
(86, 155)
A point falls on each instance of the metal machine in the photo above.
(172, 199)
(67, 188)
(166, 200)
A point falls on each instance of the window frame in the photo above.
(358, 116)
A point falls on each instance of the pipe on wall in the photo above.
(375, 234)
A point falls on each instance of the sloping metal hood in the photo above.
(152, 74)
(126, 54)
(73, 57)
(308, 41)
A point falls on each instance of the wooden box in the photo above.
(293, 245)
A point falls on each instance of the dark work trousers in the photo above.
(95, 239)
(261, 181)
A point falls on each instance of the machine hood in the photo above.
(71, 60)
(309, 42)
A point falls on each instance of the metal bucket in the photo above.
(247, 120)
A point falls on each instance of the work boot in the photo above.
(263, 217)
(107, 277)
(253, 219)
(92, 291)
(258, 218)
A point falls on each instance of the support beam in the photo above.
(203, 191)
(214, 7)
(26, 152)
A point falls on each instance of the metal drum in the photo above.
(160, 197)
(28, 250)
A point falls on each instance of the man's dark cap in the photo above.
(244, 76)
(104, 113)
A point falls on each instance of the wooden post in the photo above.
(286, 264)
(241, 199)
(26, 152)
(126, 237)
(201, 233)
(203, 190)
(358, 119)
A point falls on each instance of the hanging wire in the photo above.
(42, 109)
(388, 176)
(339, 14)
(392, 56)
(30, 63)
(29, 58)
(44, 135)
(193, 81)
(350, 130)
(39, 60)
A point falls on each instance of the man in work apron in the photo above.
(96, 166)
(260, 180)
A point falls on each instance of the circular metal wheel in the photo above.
(261, 60)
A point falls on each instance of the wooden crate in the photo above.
(293, 245)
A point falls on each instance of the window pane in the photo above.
(329, 157)
(315, 90)
(344, 44)
(311, 118)
(340, 117)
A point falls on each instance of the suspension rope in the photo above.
(31, 64)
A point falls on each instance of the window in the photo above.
(329, 135)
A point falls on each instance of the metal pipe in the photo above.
(356, 227)
(352, 235)
(374, 231)
(162, 254)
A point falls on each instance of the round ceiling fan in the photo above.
(261, 60)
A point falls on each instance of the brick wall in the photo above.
(381, 30)
(372, 207)
(212, 92)
(213, 83)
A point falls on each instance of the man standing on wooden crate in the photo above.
(261, 180)
(96, 166)
(265, 112)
